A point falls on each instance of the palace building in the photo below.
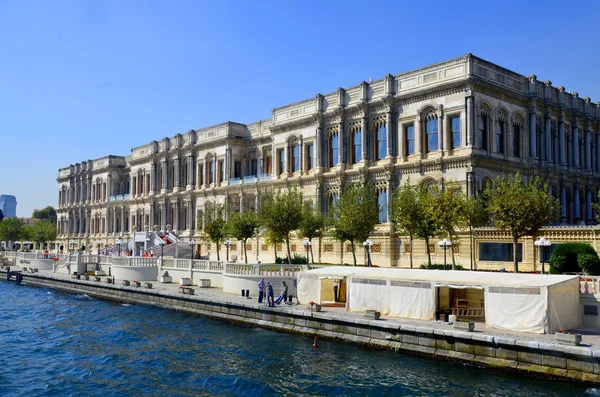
(464, 119)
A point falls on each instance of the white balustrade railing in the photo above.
(263, 270)
(168, 262)
(182, 263)
(589, 285)
(133, 261)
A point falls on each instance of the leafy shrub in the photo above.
(574, 257)
(440, 266)
(296, 260)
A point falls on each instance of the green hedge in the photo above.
(576, 258)
(440, 266)
(296, 260)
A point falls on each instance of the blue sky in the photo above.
(83, 79)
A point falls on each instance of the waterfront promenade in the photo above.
(526, 353)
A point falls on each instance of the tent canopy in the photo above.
(455, 279)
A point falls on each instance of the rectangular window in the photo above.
(309, 156)
(483, 133)
(499, 252)
(455, 123)
(211, 172)
(381, 142)
(357, 144)
(410, 140)
(334, 150)
(382, 203)
(296, 158)
(281, 156)
(516, 141)
(237, 169)
(432, 135)
(221, 170)
(269, 165)
(500, 138)
(254, 167)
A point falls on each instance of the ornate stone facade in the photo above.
(465, 120)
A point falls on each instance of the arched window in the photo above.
(483, 132)
(500, 133)
(382, 203)
(381, 141)
(334, 149)
(357, 146)
(431, 130)
(296, 157)
(516, 140)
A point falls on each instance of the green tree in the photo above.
(406, 212)
(214, 224)
(312, 225)
(45, 214)
(447, 210)
(272, 240)
(281, 214)
(428, 225)
(243, 226)
(519, 207)
(475, 214)
(43, 231)
(11, 229)
(355, 215)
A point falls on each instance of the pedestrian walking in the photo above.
(261, 290)
(270, 296)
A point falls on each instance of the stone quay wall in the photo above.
(525, 357)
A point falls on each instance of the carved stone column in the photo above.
(123, 220)
(364, 135)
(318, 143)
(153, 178)
(588, 204)
(588, 150)
(563, 200)
(388, 131)
(548, 137)
(533, 132)
(176, 217)
(418, 137)
(470, 130)
(575, 145)
(165, 175)
(163, 216)
(341, 140)
(576, 203)
(562, 140)
(176, 182)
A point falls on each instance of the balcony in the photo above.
(119, 197)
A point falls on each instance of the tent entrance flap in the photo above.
(333, 289)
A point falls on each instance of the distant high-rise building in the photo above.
(8, 205)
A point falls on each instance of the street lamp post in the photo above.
(541, 243)
(227, 244)
(368, 244)
(162, 247)
(193, 245)
(445, 243)
(307, 245)
(118, 243)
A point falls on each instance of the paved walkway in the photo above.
(590, 337)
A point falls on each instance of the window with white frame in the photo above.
(431, 129)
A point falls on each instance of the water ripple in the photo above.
(57, 344)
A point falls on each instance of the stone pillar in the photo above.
(441, 130)
(563, 201)
(470, 130)
(206, 171)
(470, 184)
(153, 178)
(241, 203)
(588, 204)
(575, 145)
(418, 137)
(123, 220)
(176, 182)
(106, 221)
(88, 221)
(576, 203)
(165, 175)
(341, 141)
(562, 141)
(227, 173)
(176, 218)
(163, 217)
(89, 190)
(533, 133)
(548, 137)
(364, 136)
(152, 220)
(597, 151)
(388, 132)
(318, 145)
(588, 150)
(190, 171)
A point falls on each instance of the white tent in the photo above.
(517, 302)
